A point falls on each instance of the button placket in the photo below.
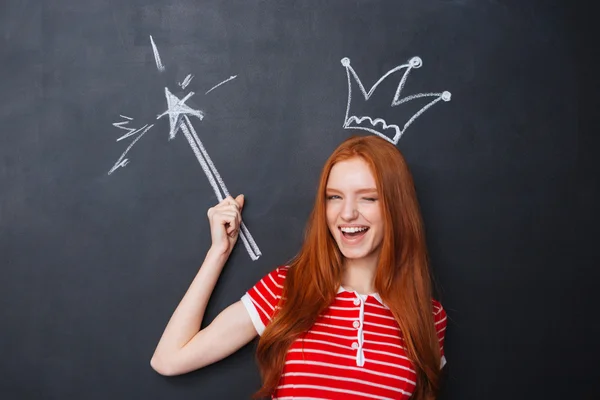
(359, 325)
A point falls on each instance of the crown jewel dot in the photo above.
(416, 62)
(345, 61)
(446, 95)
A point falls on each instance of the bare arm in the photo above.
(183, 347)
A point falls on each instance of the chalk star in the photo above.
(176, 107)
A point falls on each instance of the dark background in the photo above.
(93, 265)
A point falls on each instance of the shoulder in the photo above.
(437, 306)
(272, 283)
(281, 271)
(439, 314)
(277, 276)
(262, 300)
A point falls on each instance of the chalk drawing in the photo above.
(177, 107)
(352, 121)
(179, 114)
(159, 64)
(219, 84)
(186, 81)
(122, 161)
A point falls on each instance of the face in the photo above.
(354, 211)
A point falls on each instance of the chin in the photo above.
(354, 255)
(363, 253)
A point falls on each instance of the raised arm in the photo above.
(183, 347)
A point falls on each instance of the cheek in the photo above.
(373, 215)
(331, 215)
(376, 219)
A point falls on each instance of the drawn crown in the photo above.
(379, 125)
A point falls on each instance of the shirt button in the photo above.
(356, 324)
(356, 301)
(355, 345)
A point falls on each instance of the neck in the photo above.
(359, 275)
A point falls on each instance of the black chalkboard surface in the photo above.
(122, 122)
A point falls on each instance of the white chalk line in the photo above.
(410, 65)
(177, 107)
(186, 81)
(122, 161)
(207, 157)
(414, 62)
(130, 131)
(399, 132)
(201, 160)
(216, 181)
(219, 84)
(245, 230)
(159, 64)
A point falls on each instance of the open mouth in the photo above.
(353, 232)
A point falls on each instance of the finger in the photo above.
(228, 205)
(231, 207)
(233, 233)
(236, 225)
(228, 200)
(226, 209)
(228, 216)
(238, 220)
(232, 229)
(229, 220)
(240, 201)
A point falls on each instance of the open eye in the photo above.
(333, 197)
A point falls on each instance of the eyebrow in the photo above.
(360, 191)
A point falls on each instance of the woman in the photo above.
(357, 319)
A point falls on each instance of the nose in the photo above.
(349, 211)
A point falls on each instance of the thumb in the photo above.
(240, 200)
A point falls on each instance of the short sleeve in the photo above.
(262, 300)
(440, 319)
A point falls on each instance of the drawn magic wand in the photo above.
(179, 113)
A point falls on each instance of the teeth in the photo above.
(353, 229)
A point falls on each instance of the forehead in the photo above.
(354, 172)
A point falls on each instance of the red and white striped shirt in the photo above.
(354, 351)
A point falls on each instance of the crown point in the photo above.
(416, 62)
(446, 96)
(346, 62)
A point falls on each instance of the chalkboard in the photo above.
(116, 115)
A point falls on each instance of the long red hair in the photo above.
(402, 279)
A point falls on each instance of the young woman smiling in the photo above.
(351, 316)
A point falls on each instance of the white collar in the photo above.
(374, 295)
